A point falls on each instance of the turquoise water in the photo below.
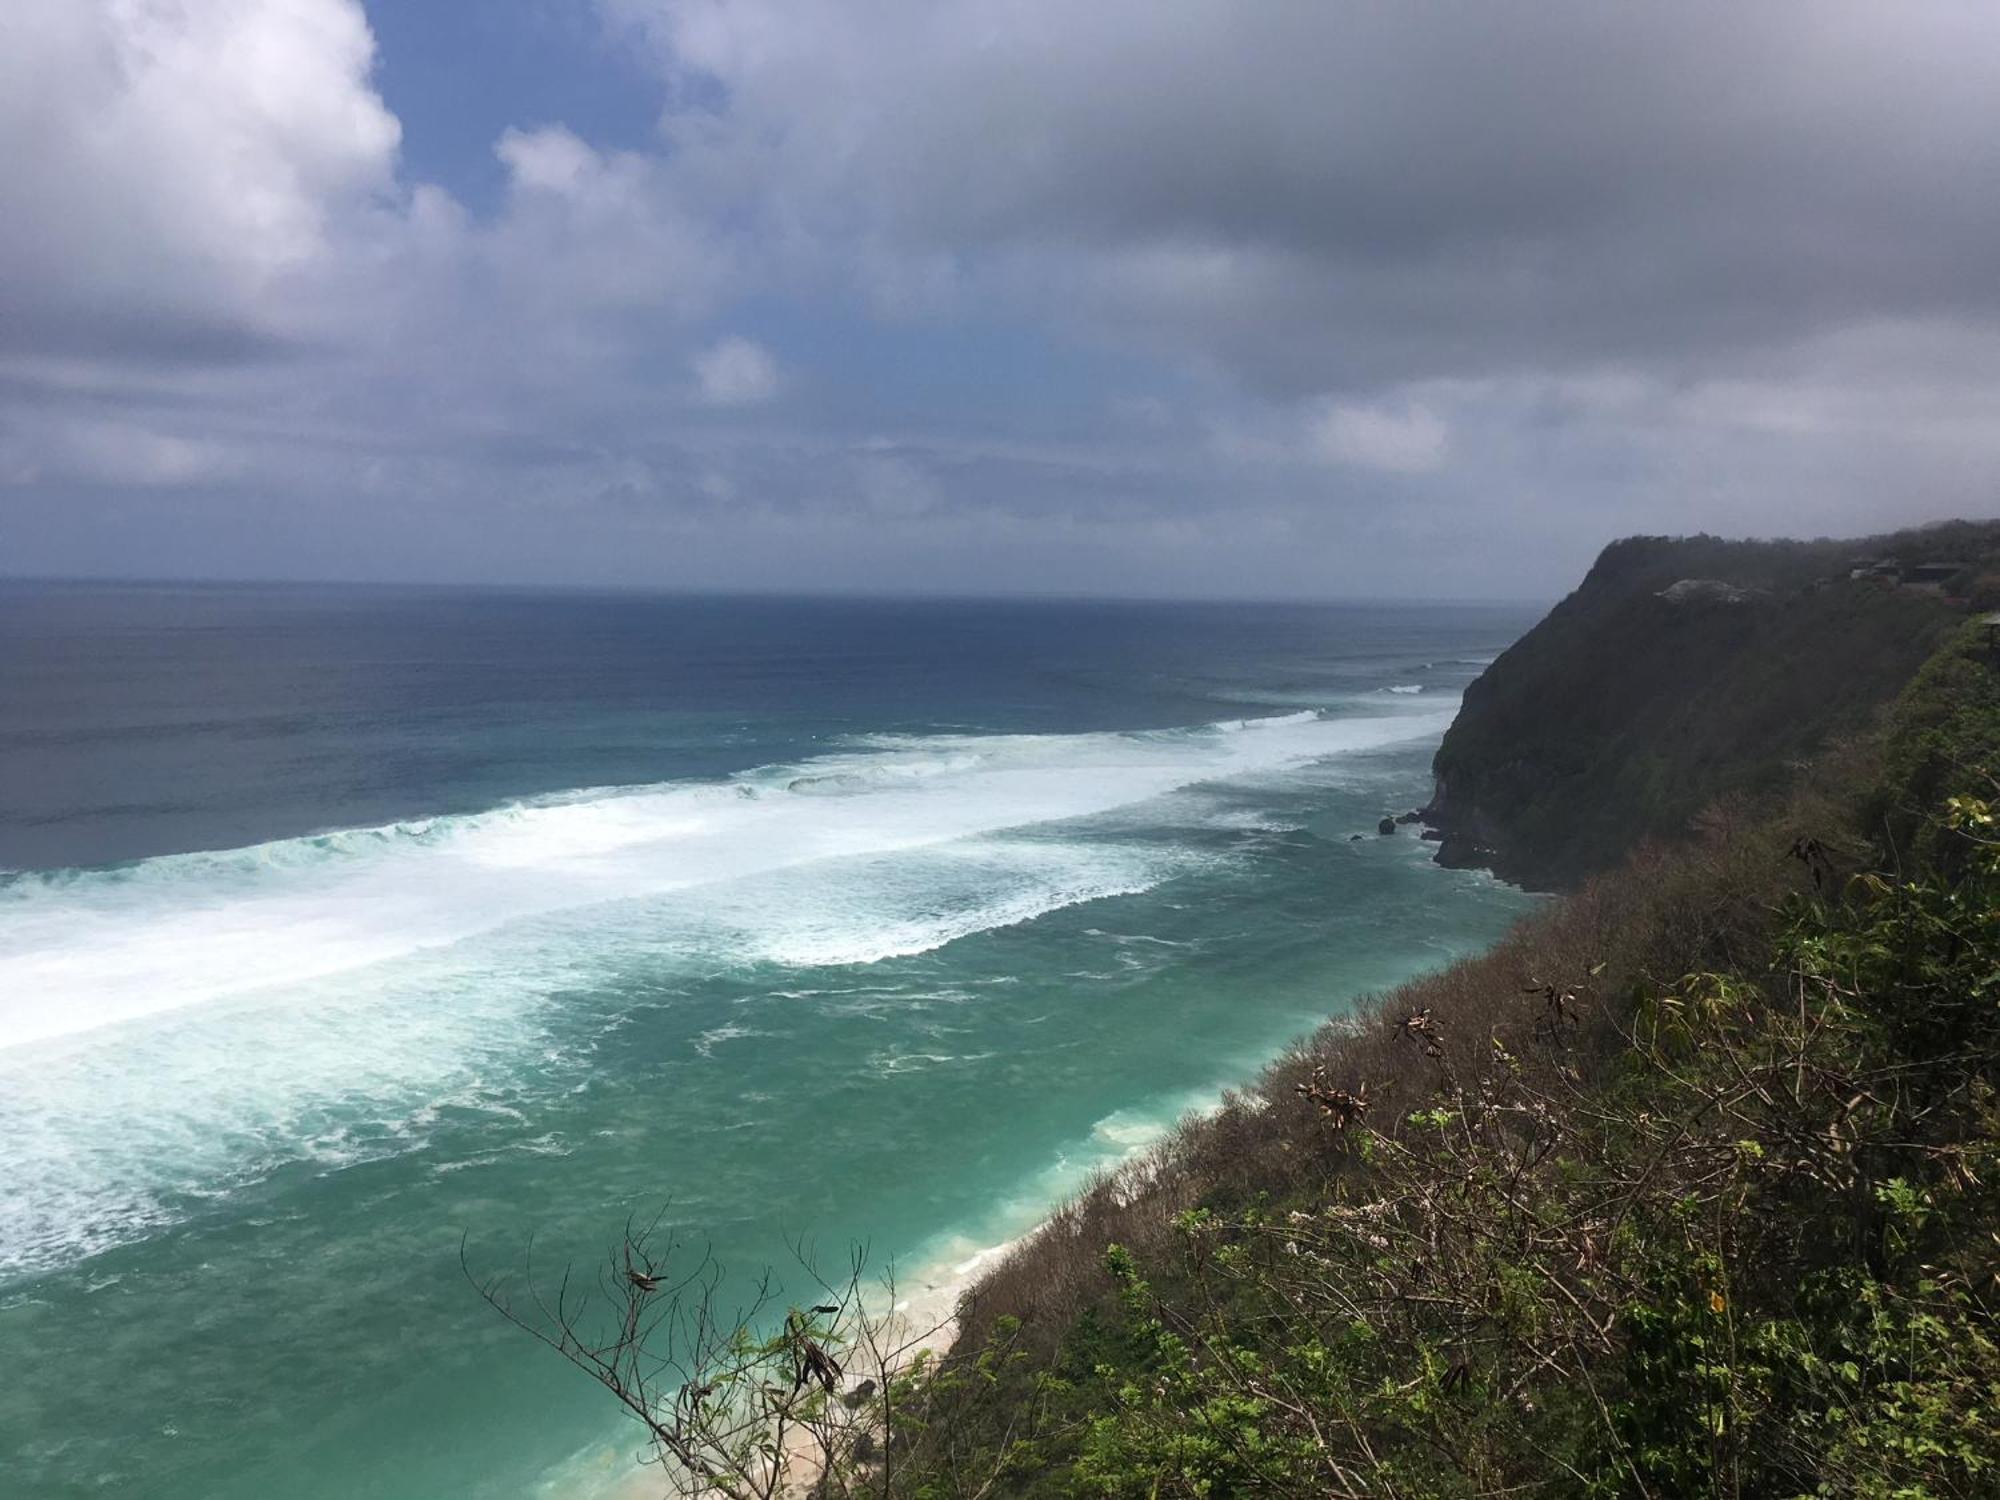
(895, 945)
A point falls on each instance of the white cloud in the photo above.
(552, 159)
(1407, 439)
(588, 231)
(736, 372)
(169, 162)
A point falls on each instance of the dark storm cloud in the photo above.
(1411, 190)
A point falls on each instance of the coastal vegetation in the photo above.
(1690, 1186)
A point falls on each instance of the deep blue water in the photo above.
(346, 920)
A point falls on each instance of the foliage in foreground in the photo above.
(1731, 1230)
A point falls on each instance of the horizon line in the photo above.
(725, 591)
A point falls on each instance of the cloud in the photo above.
(1348, 194)
(172, 165)
(1409, 440)
(736, 372)
(1118, 297)
(115, 453)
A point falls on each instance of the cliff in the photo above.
(1682, 671)
(1688, 1187)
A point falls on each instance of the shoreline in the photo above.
(925, 1319)
(925, 1322)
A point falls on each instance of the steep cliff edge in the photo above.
(1683, 670)
(1689, 1186)
(1686, 1187)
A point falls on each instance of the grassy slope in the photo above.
(1688, 1187)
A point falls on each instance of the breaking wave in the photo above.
(320, 999)
(86, 949)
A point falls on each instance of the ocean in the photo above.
(339, 926)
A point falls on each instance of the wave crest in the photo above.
(86, 949)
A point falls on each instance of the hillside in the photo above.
(1683, 670)
(1689, 1187)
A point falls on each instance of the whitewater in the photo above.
(348, 960)
(80, 951)
(338, 928)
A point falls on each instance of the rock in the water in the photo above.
(1387, 825)
(1354, 838)
(1436, 836)
(1412, 816)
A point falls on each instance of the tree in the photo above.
(748, 1406)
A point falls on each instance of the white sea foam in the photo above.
(1276, 721)
(1129, 1131)
(317, 1000)
(1119, 1140)
(86, 950)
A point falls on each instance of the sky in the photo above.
(1290, 298)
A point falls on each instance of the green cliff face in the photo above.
(1682, 671)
